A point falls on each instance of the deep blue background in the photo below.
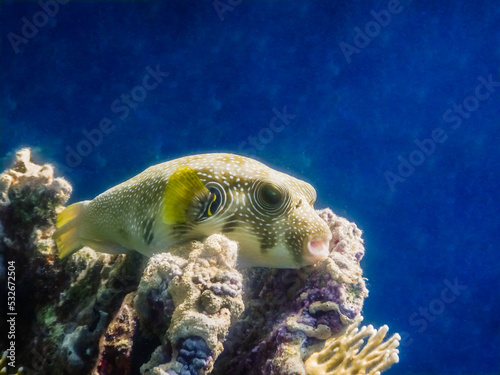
(353, 120)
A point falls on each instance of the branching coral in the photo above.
(3, 366)
(349, 354)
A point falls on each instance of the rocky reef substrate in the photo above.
(104, 314)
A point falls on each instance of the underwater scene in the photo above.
(250, 187)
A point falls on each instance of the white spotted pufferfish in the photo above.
(270, 214)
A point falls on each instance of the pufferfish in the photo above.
(268, 213)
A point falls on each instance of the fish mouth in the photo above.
(317, 248)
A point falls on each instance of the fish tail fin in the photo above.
(67, 235)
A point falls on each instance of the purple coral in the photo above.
(187, 303)
(194, 355)
(296, 308)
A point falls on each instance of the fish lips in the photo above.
(316, 248)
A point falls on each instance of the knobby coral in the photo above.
(171, 314)
(288, 313)
(63, 307)
(196, 299)
(29, 198)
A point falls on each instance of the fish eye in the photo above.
(213, 202)
(269, 198)
(271, 195)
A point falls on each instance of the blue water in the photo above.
(339, 93)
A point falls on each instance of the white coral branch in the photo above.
(349, 354)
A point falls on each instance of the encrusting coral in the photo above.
(196, 299)
(115, 346)
(63, 307)
(290, 313)
(29, 196)
(96, 313)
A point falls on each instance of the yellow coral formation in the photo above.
(349, 354)
(3, 363)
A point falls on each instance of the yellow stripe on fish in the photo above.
(270, 214)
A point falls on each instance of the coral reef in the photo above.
(29, 196)
(174, 313)
(63, 307)
(342, 354)
(196, 300)
(116, 343)
(300, 308)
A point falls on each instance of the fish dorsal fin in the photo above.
(182, 187)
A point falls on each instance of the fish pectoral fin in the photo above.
(182, 188)
(67, 234)
(107, 247)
